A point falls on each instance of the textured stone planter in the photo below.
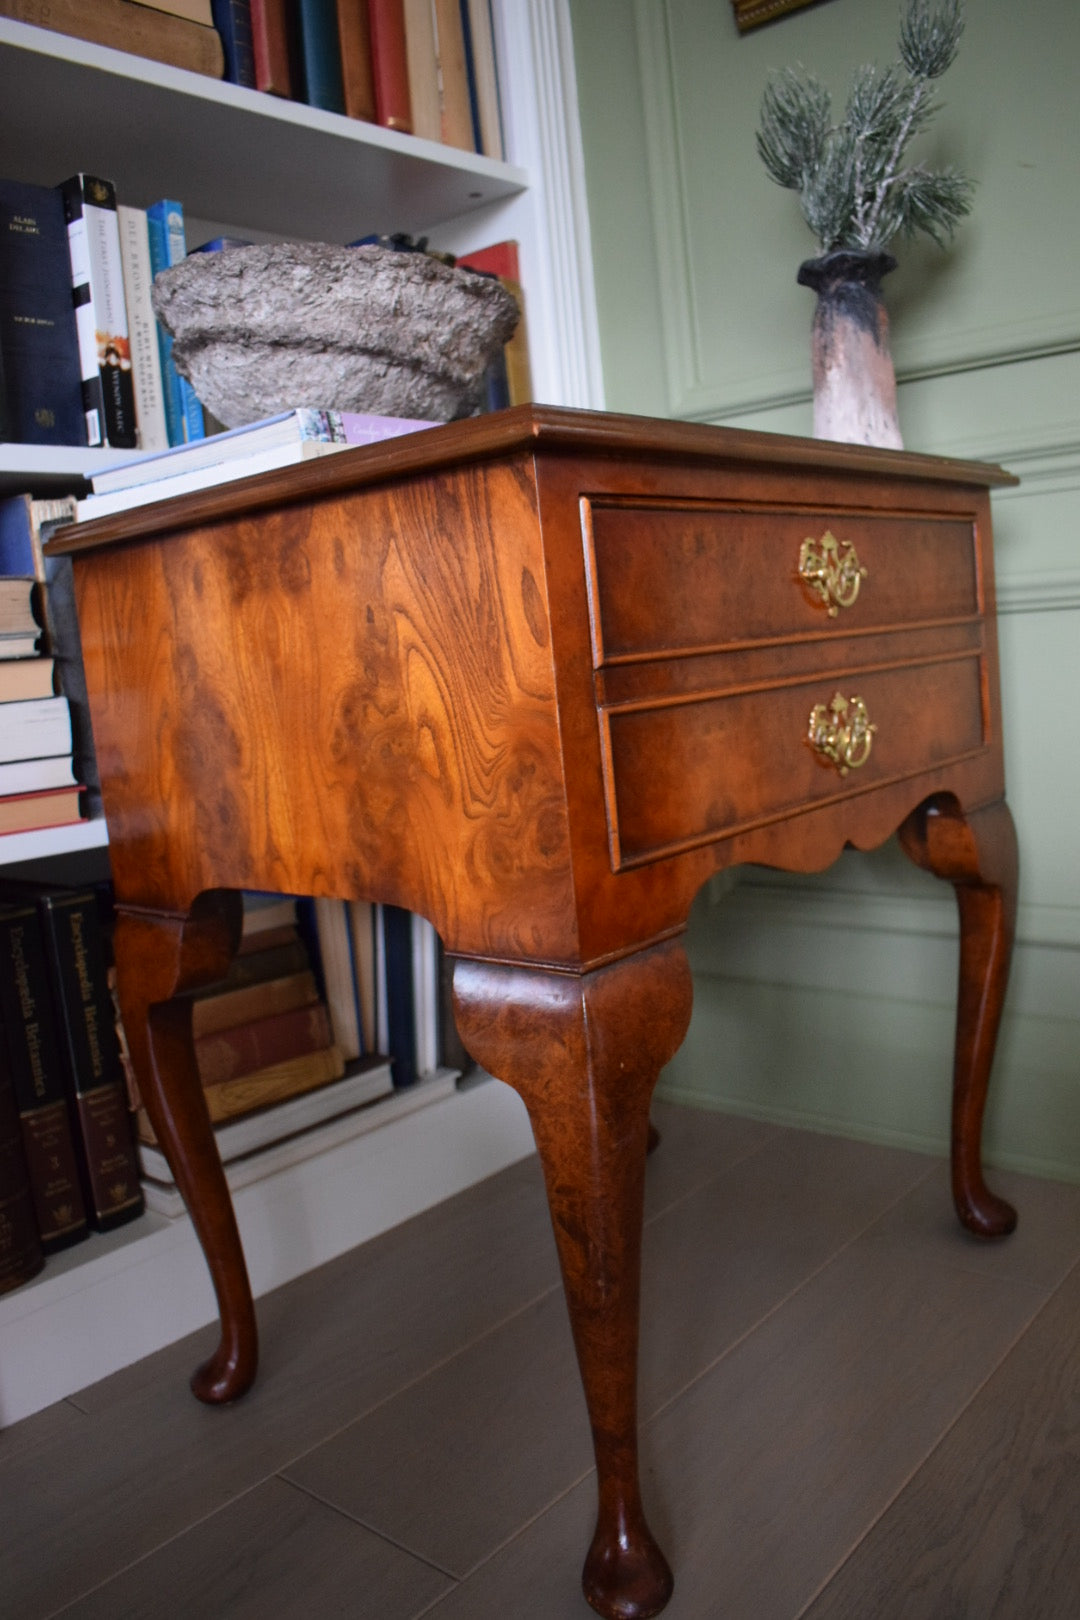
(259, 330)
(854, 381)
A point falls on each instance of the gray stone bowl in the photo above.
(258, 330)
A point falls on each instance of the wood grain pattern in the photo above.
(394, 675)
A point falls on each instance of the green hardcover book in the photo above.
(37, 1075)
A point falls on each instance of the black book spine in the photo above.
(97, 281)
(400, 1001)
(21, 1254)
(95, 1070)
(37, 1076)
(38, 338)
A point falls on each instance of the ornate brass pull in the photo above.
(841, 732)
(833, 573)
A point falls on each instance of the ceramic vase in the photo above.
(854, 381)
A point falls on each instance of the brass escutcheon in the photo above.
(841, 732)
(834, 574)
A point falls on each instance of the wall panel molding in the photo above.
(1018, 336)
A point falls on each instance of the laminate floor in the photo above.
(850, 1411)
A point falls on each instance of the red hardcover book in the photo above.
(270, 44)
(354, 35)
(500, 259)
(247, 1048)
(390, 64)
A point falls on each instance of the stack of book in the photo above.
(39, 659)
(62, 1055)
(423, 67)
(83, 360)
(276, 441)
(177, 32)
(291, 1048)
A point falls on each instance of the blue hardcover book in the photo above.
(232, 19)
(183, 413)
(320, 50)
(400, 998)
(470, 70)
(39, 346)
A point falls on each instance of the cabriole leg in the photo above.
(584, 1051)
(158, 955)
(976, 853)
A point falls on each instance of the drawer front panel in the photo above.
(689, 773)
(686, 577)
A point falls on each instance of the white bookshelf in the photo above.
(256, 166)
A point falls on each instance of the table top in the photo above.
(540, 429)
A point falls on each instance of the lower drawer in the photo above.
(685, 773)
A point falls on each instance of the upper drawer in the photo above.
(678, 577)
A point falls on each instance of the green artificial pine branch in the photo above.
(853, 187)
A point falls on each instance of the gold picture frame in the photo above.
(752, 13)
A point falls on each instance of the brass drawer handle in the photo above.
(834, 574)
(842, 732)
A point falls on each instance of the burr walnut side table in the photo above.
(536, 676)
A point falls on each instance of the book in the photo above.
(338, 974)
(35, 728)
(425, 972)
(21, 1254)
(39, 343)
(36, 775)
(320, 52)
(389, 64)
(97, 1088)
(222, 472)
(273, 47)
(286, 428)
(17, 616)
(200, 11)
(127, 25)
(422, 62)
(470, 74)
(264, 910)
(29, 1019)
(501, 260)
(150, 425)
(223, 1009)
(274, 962)
(22, 678)
(274, 1084)
(400, 993)
(29, 812)
(168, 246)
(20, 646)
(243, 1049)
(455, 111)
(24, 523)
(483, 78)
(232, 19)
(362, 938)
(354, 40)
(361, 1084)
(97, 280)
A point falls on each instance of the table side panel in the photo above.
(349, 696)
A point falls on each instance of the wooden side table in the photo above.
(536, 676)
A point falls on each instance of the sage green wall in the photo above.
(828, 1000)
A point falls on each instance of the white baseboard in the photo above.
(116, 1298)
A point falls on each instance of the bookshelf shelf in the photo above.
(231, 155)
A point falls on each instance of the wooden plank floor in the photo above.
(851, 1411)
